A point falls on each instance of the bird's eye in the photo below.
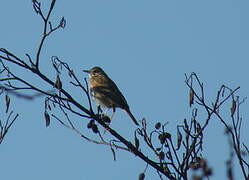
(96, 71)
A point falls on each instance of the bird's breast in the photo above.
(101, 98)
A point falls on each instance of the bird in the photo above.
(106, 93)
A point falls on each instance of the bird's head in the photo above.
(95, 71)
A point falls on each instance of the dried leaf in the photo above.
(198, 128)
(136, 142)
(191, 97)
(58, 83)
(162, 138)
(7, 102)
(179, 139)
(233, 107)
(230, 173)
(63, 22)
(47, 118)
(161, 155)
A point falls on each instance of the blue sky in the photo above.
(146, 47)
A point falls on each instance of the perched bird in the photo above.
(106, 92)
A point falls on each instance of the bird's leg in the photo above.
(100, 111)
(113, 112)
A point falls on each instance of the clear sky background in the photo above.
(145, 47)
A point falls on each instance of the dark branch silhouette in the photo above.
(173, 158)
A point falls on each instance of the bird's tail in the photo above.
(132, 117)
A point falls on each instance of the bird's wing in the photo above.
(112, 92)
(119, 96)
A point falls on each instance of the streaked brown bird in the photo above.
(106, 92)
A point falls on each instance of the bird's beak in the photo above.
(87, 71)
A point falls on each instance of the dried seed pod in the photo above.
(95, 128)
(90, 124)
(141, 176)
(158, 125)
(162, 137)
